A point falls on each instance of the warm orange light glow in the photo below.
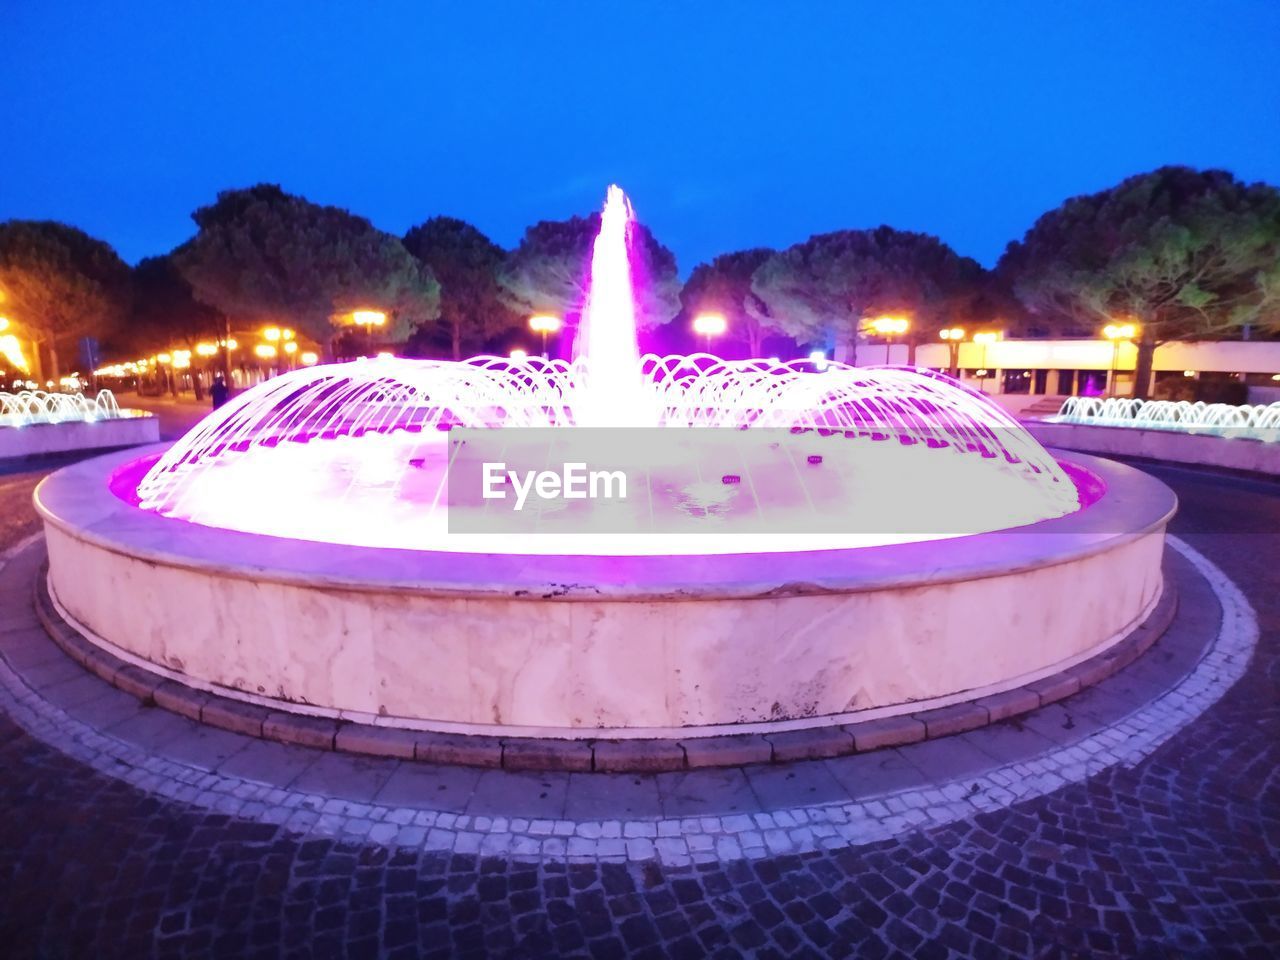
(518, 354)
(710, 324)
(890, 326)
(291, 346)
(544, 323)
(265, 350)
(4, 323)
(164, 358)
(11, 350)
(309, 359)
(271, 333)
(206, 349)
(1120, 331)
(369, 318)
(952, 333)
(987, 336)
(286, 333)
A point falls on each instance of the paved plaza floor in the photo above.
(1138, 818)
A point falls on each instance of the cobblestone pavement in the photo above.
(1176, 856)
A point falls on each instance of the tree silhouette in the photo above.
(1187, 254)
(263, 255)
(466, 264)
(59, 284)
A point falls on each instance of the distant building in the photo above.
(1082, 367)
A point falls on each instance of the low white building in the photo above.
(1034, 368)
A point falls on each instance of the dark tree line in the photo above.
(1184, 253)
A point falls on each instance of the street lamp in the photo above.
(369, 319)
(889, 327)
(10, 348)
(708, 325)
(953, 337)
(986, 338)
(1117, 333)
(544, 324)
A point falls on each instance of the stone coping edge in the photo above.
(604, 756)
(81, 501)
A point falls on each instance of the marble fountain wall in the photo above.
(582, 646)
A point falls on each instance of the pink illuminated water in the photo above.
(358, 453)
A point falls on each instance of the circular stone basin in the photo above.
(589, 646)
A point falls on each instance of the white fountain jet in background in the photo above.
(612, 388)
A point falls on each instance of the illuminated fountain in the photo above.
(876, 540)
(1256, 422)
(29, 407)
(369, 435)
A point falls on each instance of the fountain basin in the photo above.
(583, 646)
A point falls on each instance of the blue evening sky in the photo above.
(731, 124)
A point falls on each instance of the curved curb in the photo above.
(599, 755)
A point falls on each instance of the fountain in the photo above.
(35, 423)
(28, 407)
(1252, 422)
(852, 542)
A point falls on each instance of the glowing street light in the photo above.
(708, 325)
(819, 360)
(271, 334)
(889, 327)
(11, 350)
(309, 358)
(953, 336)
(544, 324)
(986, 338)
(369, 319)
(519, 354)
(1117, 333)
(265, 350)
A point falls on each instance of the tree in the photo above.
(724, 286)
(550, 271)
(466, 263)
(1186, 254)
(263, 255)
(826, 288)
(165, 312)
(59, 284)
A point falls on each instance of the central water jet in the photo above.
(606, 351)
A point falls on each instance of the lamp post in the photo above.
(1117, 333)
(986, 338)
(953, 337)
(708, 325)
(545, 324)
(369, 319)
(889, 327)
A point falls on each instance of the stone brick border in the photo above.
(602, 755)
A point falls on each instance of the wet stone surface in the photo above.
(1174, 857)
